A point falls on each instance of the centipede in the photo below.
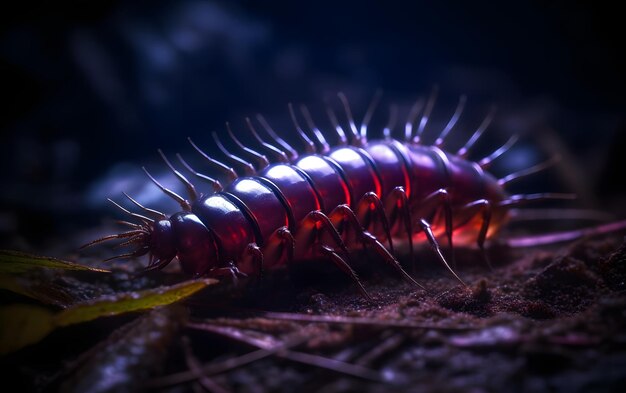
(279, 206)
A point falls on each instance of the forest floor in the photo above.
(550, 319)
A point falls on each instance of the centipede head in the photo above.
(181, 236)
(149, 237)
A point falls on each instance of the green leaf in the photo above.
(129, 301)
(19, 262)
(22, 325)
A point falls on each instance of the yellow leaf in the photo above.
(129, 301)
(19, 262)
(21, 324)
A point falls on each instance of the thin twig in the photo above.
(388, 345)
(194, 365)
(300, 357)
(362, 321)
(209, 369)
(223, 366)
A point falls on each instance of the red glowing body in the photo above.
(386, 195)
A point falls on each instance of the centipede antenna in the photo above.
(393, 120)
(217, 186)
(191, 190)
(157, 214)
(276, 154)
(248, 168)
(435, 246)
(139, 216)
(134, 254)
(528, 171)
(319, 135)
(309, 146)
(413, 113)
(229, 172)
(261, 160)
(464, 151)
(181, 201)
(356, 137)
(453, 120)
(291, 152)
(486, 162)
(369, 114)
(520, 199)
(430, 104)
(130, 224)
(341, 134)
(135, 239)
(122, 235)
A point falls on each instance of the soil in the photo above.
(550, 319)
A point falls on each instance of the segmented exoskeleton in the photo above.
(386, 195)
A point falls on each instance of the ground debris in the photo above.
(546, 321)
(129, 356)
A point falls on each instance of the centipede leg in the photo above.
(368, 205)
(425, 226)
(397, 202)
(311, 231)
(252, 260)
(343, 213)
(313, 226)
(231, 271)
(483, 207)
(345, 267)
(279, 249)
(428, 208)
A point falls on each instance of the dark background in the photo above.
(92, 88)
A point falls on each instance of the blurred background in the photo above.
(92, 88)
